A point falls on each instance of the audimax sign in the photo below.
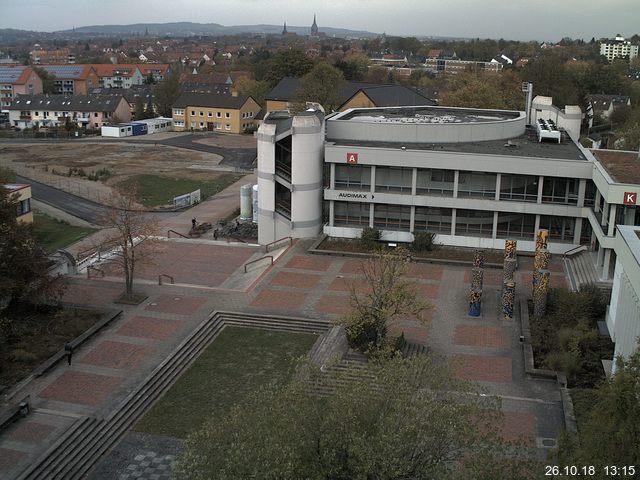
(363, 196)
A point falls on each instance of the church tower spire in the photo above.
(314, 27)
(284, 30)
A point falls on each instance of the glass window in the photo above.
(590, 194)
(561, 229)
(435, 182)
(227, 115)
(392, 217)
(353, 177)
(394, 179)
(560, 190)
(516, 225)
(521, 188)
(433, 219)
(475, 223)
(351, 214)
(24, 206)
(477, 185)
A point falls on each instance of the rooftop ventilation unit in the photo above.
(547, 130)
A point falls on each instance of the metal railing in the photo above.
(177, 233)
(266, 247)
(257, 260)
(574, 250)
(165, 275)
(94, 269)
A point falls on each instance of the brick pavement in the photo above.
(485, 349)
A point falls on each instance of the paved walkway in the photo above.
(106, 369)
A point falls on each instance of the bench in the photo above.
(12, 413)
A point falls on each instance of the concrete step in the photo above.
(87, 440)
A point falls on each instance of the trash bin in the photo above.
(24, 408)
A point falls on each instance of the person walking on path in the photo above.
(68, 351)
(193, 223)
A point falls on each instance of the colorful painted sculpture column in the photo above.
(542, 238)
(477, 276)
(508, 298)
(475, 302)
(540, 294)
(540, 262)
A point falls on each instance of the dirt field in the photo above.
(121, 161)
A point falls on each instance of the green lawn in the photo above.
(54, 234)
(157, 190)
(239, 360)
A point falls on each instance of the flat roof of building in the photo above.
(622, 166)
(631, 236)
(526, 145)
(426, 115)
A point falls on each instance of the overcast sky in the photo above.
(509, 19)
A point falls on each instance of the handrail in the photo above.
(90, 268)
(88, 251)
(266, 247)
(165, 275)
(574, 249)
(257, 260)
(177, 233)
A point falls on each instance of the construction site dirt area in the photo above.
(116, 162)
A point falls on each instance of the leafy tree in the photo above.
(129, 235)
(23, 263)
(150, 79)
(354, 67)
(369, 238)
(167, 92)
(551, 78)
(138, 111)
(48, 79)
(377, 74)
(408, 423)
(481, 90)
(422, 242)
(285, 63)
(610, 434)
(323, 84)
(387, 294)
(258, 90)
(149, 111)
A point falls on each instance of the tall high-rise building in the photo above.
(618, 47)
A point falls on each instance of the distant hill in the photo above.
(183, 29)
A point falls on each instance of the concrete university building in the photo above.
(473, 177)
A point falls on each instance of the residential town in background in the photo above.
(298, 148)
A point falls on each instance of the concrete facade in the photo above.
(290, 192)
(623, 314)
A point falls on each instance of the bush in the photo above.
(22, 356)
(369, 237)
(423, 242)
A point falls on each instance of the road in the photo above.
(82, 208)
(77, 206)
(234, 157)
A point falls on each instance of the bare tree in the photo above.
(385, 295)
(129, 237)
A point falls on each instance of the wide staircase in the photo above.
(89, 438)
(582, 272)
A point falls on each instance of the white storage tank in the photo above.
(245, 202)
(254, 203)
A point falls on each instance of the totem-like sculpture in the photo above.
(540, 294)
(475, 302)
(542, 238)
(508, 279)
(540, 262)
(477, 276)
(508, 298)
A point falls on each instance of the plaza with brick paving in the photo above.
(105, 369)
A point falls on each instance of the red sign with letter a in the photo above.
(630, 198)
(352, 158)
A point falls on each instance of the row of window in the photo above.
(475, 223)
(180, 112)
(523, 188)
